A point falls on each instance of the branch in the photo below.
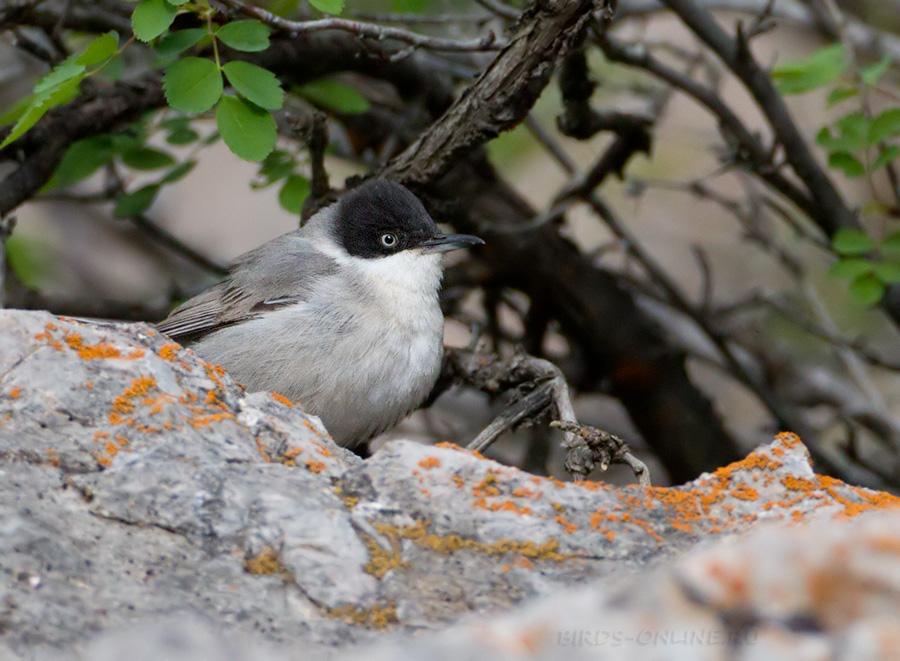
(545, 388)
(42, 148)
(501, 96)
(863, 36)
(831, 213)
(366, 30)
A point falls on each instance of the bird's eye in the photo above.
(389, 240)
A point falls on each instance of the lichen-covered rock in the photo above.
(141, 488)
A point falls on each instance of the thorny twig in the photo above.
(595, 446)
(548, 390)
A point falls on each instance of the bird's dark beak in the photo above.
(447, 242)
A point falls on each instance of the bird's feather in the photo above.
(278, 273)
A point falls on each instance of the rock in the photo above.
(147, 501)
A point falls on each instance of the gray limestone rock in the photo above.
(148, 503)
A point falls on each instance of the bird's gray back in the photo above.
(278, 273)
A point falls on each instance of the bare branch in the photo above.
(501, 96)
(366, 30)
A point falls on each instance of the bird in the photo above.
(340, 316)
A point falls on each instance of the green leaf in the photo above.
(328, 6)
(872, 74)
(891, 244)
(249, 36)
(293, 193)
(62, 93)
(145, 158)
(179, 41)
(888, 272)
(82, 159)
(193, 84)
(27, 258)
(178, 172)
(852, 242)
(100, 49)
(839, 94)
(178, 2)
(17, 110)
(255, 83)
(68, 69)
(136, 202)
(182, 137)
(867, 289)
(127, 141)
(887, 124)
(889, 154)
(248, 130)
(151, 18)
(852, 136)
(849, 164)
(277, 165)
(821, 68)
(850, 268)
(330, 93)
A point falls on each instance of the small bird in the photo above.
(340, 316)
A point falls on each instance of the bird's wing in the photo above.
(276, 274)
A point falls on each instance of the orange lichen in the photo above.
(261, 448)
(795, 483)
(430, 462)
(169, 352)
(451, 543)
(743, 492)
(376, 617)
(91, 351)
(15, 392)
(281, 398)
(315, 466)
(487, 487)
(52, 457)
(266, 563)
(206, 420)
(505, 506)
(458, 481)
(868, 500)
(123, 404)
(454, 446)
(568, 526)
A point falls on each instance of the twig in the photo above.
(497, 7)
(367, 30)
(864, 36)
(831, 212)
(751, 149)
(596, 446)
(176, 245)
(420, 19)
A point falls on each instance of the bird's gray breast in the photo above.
(358, 362)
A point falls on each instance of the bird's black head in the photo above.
(380, 218)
